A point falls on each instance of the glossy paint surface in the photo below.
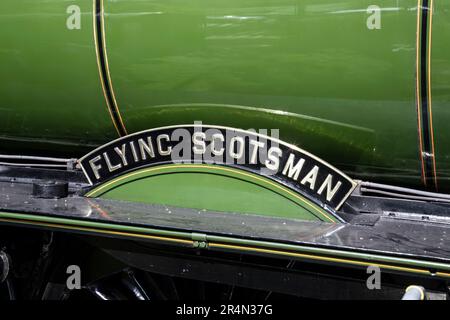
(211, 188)
(440, 89)
(51, 96)
(403, 244)
(312, 69)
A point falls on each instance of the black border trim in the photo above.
(104, 69)
(427, 155)
(427, 152)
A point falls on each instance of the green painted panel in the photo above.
(440, 66)
(203, 191)
(308, 68)
(210, 188)
(311, 68)
(49, 85)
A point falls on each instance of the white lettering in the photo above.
(254, 153)
(111, 167)
(239, 143)
(95, 168)
(198, 139)
(121, 153)
(294, 171)
(311, 177)
(146, 148)
(328, 183)
(217, 136)
(159, 139)
(273, 161)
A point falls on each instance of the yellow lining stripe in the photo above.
(425, 80)
(227, 246)
(239, 172)
(89, 229)
(430, 112)
(94, 17)
(102, 79)
(323, 258)
(418, 97)
(105, 53)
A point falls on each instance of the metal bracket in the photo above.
(200, 240)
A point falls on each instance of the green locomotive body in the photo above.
(342, 80)
(116, 117)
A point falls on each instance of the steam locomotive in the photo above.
(258, 149)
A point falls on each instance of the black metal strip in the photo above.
(427, 150)
(104, 70)
(426, 135)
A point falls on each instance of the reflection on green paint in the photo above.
(211, 188)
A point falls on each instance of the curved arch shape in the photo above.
(179, 185)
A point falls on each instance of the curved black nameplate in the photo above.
(286, 164)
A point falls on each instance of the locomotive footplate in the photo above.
(402, 237)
